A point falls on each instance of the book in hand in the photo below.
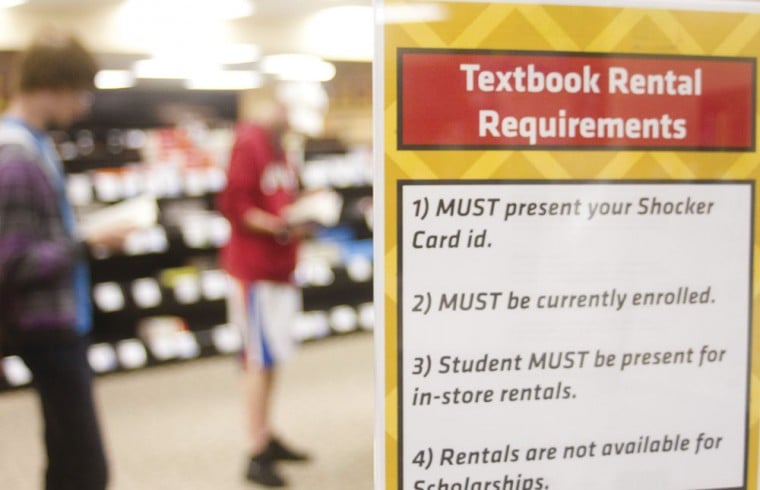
(136, 213)
(322, 207)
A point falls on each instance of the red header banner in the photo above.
(473, 99)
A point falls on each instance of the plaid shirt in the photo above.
(37, 254)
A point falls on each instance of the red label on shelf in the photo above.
(474, 99)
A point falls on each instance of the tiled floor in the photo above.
(179, 427)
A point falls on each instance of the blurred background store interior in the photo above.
(176, 75)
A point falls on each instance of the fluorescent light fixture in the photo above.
(202, 71)
(184, 10)
(160, 68)
(6, 4)
(234, 54)
(342, 33)
(346, 32)
(226, 80)
(114, 79)
(207, 53)
(298, 67)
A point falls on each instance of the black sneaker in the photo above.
(261, 470)
(278, 451)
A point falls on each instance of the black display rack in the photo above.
(166, 304)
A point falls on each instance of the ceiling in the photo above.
(277, 26)
(265, 9)
(120, 35)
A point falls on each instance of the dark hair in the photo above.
(55, 61)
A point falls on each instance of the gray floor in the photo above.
(179, 427)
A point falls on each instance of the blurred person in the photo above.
(44, 279)
(260, 259)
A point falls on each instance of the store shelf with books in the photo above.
(162, 298)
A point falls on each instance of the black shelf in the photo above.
(203, 319)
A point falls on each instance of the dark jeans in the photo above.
(63, 379)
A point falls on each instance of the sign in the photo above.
(566, 239)
(529, 99)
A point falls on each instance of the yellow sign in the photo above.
(566, 242)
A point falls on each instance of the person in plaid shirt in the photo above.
(45, 310)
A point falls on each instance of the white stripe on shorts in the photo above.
(264, 313)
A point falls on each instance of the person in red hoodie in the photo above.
(260, 259)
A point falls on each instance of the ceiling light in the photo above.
(342, 33)
(169, 69)
(182, 10)
(6, 4)
(346, 32)
(234, 54)
(298, 67)
(208, 53)
(226, 80)
(114, 79)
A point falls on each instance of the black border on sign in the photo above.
(400, 296)
(400, 145)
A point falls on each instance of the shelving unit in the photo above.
(162, 299)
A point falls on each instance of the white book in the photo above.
(322, 207)
(138, 212)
